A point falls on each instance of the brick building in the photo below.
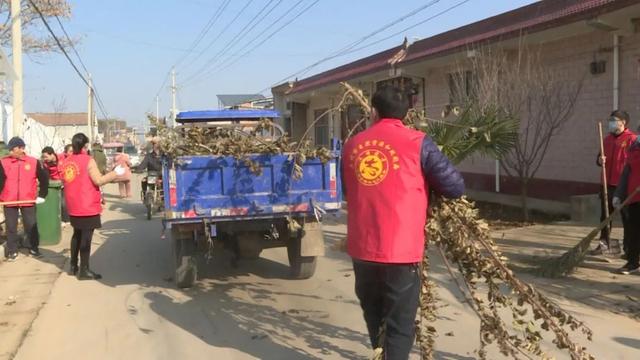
(593, 41)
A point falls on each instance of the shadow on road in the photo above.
(632, 343)
(242, 306)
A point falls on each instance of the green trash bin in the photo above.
(48, 215)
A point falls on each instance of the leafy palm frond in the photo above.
(488, 132)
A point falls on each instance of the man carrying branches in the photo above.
(388, 172)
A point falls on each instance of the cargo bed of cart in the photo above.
(214, 202)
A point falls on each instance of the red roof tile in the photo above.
(60, 119)
(532, 18)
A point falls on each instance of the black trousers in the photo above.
(81, 244)
(64, 214)
(632, 234)
(389, 296)
(30, 228)
(605, 234)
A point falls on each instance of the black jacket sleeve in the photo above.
(43, 180)
(438, 171)
(3, 178)
(144, 164)
(621, 189)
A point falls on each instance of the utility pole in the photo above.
(18, 92)
(173, 97)
(90, 108)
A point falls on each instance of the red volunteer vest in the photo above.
(54, 171)
(616, 149)
(634, 175)
(22, 181)
(386, 194)
(81, 194)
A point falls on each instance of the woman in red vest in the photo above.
(19, 178)
(616, 147)
(82, 181)
(388, 171)
(629, 182)
(50, 161)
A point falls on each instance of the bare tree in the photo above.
(35, 38)
(546, 101)
(516, 84)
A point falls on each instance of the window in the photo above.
(351, 116)
(462, 85)
(321, 127)
(288, 126)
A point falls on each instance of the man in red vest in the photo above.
(616, 147)
(19, 177)
(629, 182)
(388, 172)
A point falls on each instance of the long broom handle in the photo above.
(21, 202)
(626, 202)
(605, 195)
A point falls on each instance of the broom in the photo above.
(568, 261)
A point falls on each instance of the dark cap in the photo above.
(15, 142)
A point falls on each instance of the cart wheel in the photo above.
(149, 204)
(184, 261)
(301, 267)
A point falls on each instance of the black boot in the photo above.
(75, 249)
(73, 269)
(85, 273)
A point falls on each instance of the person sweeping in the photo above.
(82, 181)
(616, 146)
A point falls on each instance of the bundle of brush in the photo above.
(496, 293)
(236, 142)
(455, 229)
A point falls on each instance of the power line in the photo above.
(208, 74)
(212, 20)
(64, 51)
(409, 28)
(224, 30)
(246, 45)
(238, 37)
(359, 41)
(93, 86)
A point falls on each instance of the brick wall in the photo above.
(570, 161)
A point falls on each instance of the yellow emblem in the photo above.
(372, 161)
(27, 167)
(70, 171)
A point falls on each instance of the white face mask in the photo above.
(613, 127)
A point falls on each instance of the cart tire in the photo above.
(185, 264)
(301, 267)
(149, 204)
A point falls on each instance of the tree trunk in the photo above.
(523, 199)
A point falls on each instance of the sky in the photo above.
(130, 47)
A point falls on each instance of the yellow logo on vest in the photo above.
(372, 161)
(70, 171)
(27, 167)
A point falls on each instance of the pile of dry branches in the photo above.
(233, 141)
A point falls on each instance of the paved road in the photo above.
(249, 312)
